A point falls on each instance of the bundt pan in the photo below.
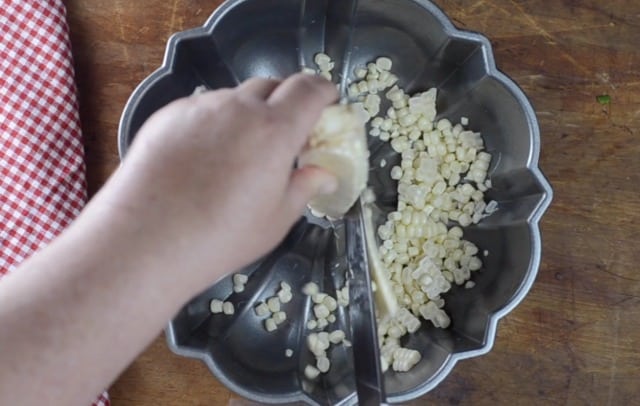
(245, 38)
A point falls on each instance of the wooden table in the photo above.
(575, 338)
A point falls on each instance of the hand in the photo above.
(207, 187)
(210, 178)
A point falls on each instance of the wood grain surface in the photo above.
(575, 338)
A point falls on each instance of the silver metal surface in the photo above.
(245, 38)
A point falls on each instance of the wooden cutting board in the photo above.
(575, 338)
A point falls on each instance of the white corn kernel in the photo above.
(227, 308)
(408, 320)
(288, 353)
(270, 325)
(330, 303)
(323, 339)
(392, 80)
(492, 207)
(394, 332)
(322, 323)
(384, 364)
(321, 59)
(352, 91)
(320, 311)
(363, 87)
(464, 220)
(384, 63)
(240, 279)
(285, 296)
(377, 122)
(323, 364)
(261, 309)
(279, 317)
(310, 289)
(274, 304)
(396, 173)
(238, 288)
(285, 286)
(422, 256)
(336, 336)
(311, 372)
(386, 125)
(475, 263)
(312, 341)
(216, 306)
(404, 359)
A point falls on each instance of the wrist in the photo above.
(148, 240)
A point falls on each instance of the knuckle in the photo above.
(272, 119)
(259, 80)
(307, 82)
(203, 108)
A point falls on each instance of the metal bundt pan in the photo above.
(245, 38)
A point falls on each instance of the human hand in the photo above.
(210, 180)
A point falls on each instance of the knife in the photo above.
(364, 332)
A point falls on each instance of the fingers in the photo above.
(259, 87)
(305, 184)
(302, 97)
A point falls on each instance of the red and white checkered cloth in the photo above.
(42, 171)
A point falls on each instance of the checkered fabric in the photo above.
(42, 171)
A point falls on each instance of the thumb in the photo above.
(306, 183)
